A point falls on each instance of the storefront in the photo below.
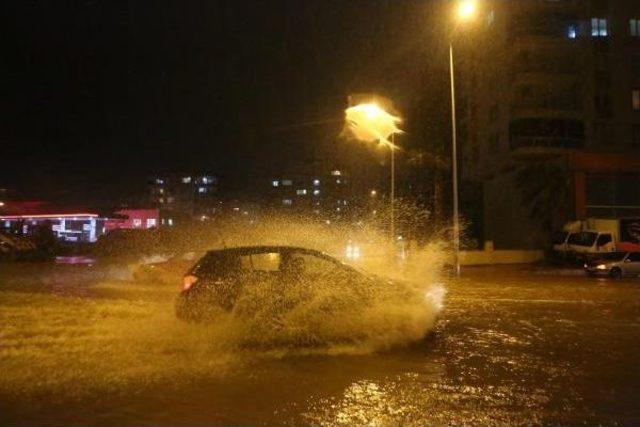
(68, 227)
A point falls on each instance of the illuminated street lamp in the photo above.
(371, 123)
(466, 12)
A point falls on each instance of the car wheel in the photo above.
(616, 273)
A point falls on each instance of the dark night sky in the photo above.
(97, 95)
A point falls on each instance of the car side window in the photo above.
(266, 262)
(603, 239)
(217, 265)
(314, 265)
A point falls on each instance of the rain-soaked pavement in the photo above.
(510, 348)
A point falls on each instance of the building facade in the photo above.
(133, 219)
(326, 195)
(552, 85)
(27, 218)
(183, 196)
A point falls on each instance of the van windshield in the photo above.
(559, 237)
(584, 238)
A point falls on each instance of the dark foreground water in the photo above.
(78, 347)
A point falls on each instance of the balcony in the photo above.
(542, 144)
(540, 136)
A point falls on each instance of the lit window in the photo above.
(186, 179)
(287, 202)
(634, 27)
(7, 224)
(336, 173)
(301, 192)
(161, 190)
(206, 180)
(599, 27)
(159, 181)
(316, 192)
(151, 222)
(338, 181)
(161, 200)
(202, 190)
(572, 31)
(287, 182)
(275, 183)
(635, 99)
(316, 182)
(137, 222)
(170, 221)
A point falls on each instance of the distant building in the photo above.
(555, 83)
(132, 219)
(327, 194)
(181, 196)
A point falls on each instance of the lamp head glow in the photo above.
(369, 122)
(466, 10)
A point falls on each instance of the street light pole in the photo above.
(368, 122)
(454, 166)
(393, 187)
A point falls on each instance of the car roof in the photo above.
(263, 248)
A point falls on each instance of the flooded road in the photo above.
(88, 347)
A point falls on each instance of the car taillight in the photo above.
(188, 282)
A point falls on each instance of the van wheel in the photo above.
(616, 273)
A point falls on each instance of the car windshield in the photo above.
(584, 238)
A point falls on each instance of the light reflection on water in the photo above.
(514, 350)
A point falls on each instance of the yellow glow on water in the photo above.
(370, 123)
(98, 332)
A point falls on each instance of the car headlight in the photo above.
(601, 267)
(353, 252)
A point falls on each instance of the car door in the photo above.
(632, 264)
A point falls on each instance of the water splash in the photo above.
(118, 334)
